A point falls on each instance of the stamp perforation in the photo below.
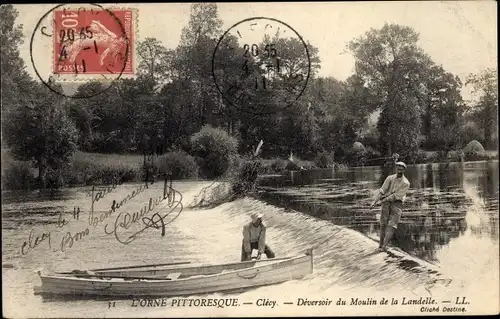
(66, 77)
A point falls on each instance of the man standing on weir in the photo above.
(392, 195)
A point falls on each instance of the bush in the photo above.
(476, 156)
(99, 170)
(339, 167)
(54, 178)
(214, 149)
(441, 156)
(419, 158)
(278, 165)
(474, 151)
(356, 155)
(325, 160)
(371, 153)
(246, 178)
(236, 162)
(18, 175)
(292, 166)
(371, 140)
(83, 169)
(178, 164)
(357, 147)
(432, 157)
(473, 147)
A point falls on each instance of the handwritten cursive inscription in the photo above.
(68, 239)
(125, 220)
(103, 191)
(33, 241)
(94, 221)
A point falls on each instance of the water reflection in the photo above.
(441, 197)
(26, 196)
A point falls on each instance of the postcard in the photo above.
(249, 159)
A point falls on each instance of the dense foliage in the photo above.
(397, 101)
(215, 149)
(177, 165)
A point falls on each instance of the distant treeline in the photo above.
(397, 101)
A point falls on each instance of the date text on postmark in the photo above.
(261, 66)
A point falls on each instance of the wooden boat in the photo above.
(177, 281)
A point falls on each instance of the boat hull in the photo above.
(259, 275)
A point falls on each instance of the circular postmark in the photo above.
(261, 65)
(82, 44)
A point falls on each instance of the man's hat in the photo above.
(403, 165)
(256, 216)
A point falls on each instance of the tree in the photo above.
(285, 123)
(192, 60)
(42, 132)
(129, 117)
(155, 60)
(443, 114)
(203, 22)
(178, 113)
(340, 110)
(34, 119)
(292, 55)
(485, 84)
(85, 113)
(275, 72)
(392, 65)
(401, 128)
(10, 38)
(16, 82)
(146, 113)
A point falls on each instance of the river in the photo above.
(449, 236)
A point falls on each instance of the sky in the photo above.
(460, 35)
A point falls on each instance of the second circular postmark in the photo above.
(261, 65)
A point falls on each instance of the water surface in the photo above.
(450, 233)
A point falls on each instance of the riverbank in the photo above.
(82, 170)
(101, 169)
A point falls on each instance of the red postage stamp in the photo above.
(99, 42)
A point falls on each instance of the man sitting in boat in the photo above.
(392, 195)
(254, 237)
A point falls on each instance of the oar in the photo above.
(132, 267)
(120, 277)
(269, 259)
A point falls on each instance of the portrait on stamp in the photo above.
(88, 42)
(106, 35)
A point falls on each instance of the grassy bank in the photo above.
(83, 169)
(97, 169)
